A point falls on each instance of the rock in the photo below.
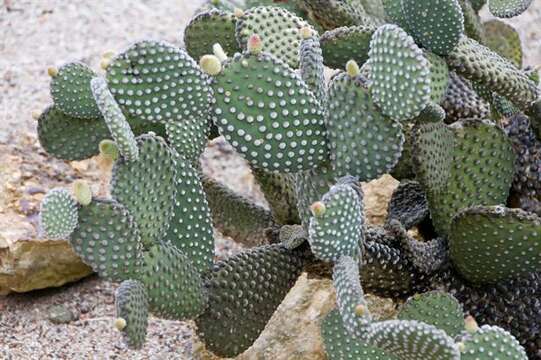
(60, 314)
(377, 194)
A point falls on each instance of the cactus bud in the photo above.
(238, 12)
(255, 45)
(219, 52)
(82, 192)
(210, 64)
(52, 71)
(120, 324)
(36, 114)
(461, 347)
(352, 68)
(318, 208)
(305, 32)
(470, 324)
(360, 310)
(108, 149)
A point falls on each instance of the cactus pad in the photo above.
(435, 308)
(439, 77)
(244, 291)
(364, 143)
(310, 186)
(116, 122)
(336, 228)
(508, 8)
(70, 90)
(279, 31)
(408, 204)
(147, 187)
(179, 89)
(436, 25)
(268, 114)
(174, 286)
(490, 244)
(504, 40)
(190, 228)
(462, 102)
(312, 68)
(399, 72)
(188, 137)
(107, 239)
(131, 305)
(58, 214)
(208, 28)
(492, 342)
(340, 345)
(346, 43)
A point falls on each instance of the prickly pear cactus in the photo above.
(423, 91)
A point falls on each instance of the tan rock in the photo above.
(377, 194)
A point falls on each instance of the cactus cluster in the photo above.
(424, 91)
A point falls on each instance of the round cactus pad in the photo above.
(131, 305)
(346, 43)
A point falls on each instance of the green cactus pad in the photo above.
(70, 90)
(346, 43)
(236, 216)
(338, 229)
(208, 28)
(131, 305)
(490, 244)
(436, 25)
(486, 152)
(439, 77)
(478, 4)
(350, 299)
(435, 308)
(406, 338)
(472, 21)
(394, 10)
(408, 204)
(188, 137)
(504, 40)
(190, 228)
(334, 14)
(404, 169)
(462, 102)
(432, 154)
(312, 68)
(116, 122)
(69, 138)
(244, 291)
(492, 342)
(340, 345)
(58, 214)
(278, 29)
(508, 8)
(107, 239)
(147, 187)
(179, 90)
(279, 191)
(364, 143)
(265, 110)
(478, 63)
(310, 186)
(174, 286)
(401, 89)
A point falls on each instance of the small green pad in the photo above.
(491, 244)
(107, 239)
(312, 68)
(116, 122)
(208, 28)
(158, 82)
(492, 342)
(481, 172)
(174, 286)
(190, 228)
(504, 40)
(339, 228)
(279, 31)
(58, 214)
(310, 186)
(188, 137)
(399, 72)
(279, 191)
(266, 112)
(334, 14)
(439, 77)
(435, 24)
(69, 138)
(340, 345)
(244, 291)
(346, 43)
(131, 304)
(435, 308)
(364, 143)
(71, 93)
(508, 8)
(147, 187)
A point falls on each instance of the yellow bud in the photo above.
(352, 68)
(120, 324)
(36, 114)
(360, 310)
(306, 32)
(238, 12)
(210, 64)
(52, 71)
(82, 192)
(219, 52)
(461, 347)
(470, 324)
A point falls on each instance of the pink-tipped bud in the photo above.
(352, 68)
(306, 32)
(255, 44)
(210, 64)
(318, 208)
(470, 324)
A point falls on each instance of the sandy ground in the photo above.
(35, 34)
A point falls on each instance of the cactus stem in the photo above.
(82, 192)
(120, 324)
(219, 52)
(210, 64)
(318, 208)
(352, 68)
(52, 71)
